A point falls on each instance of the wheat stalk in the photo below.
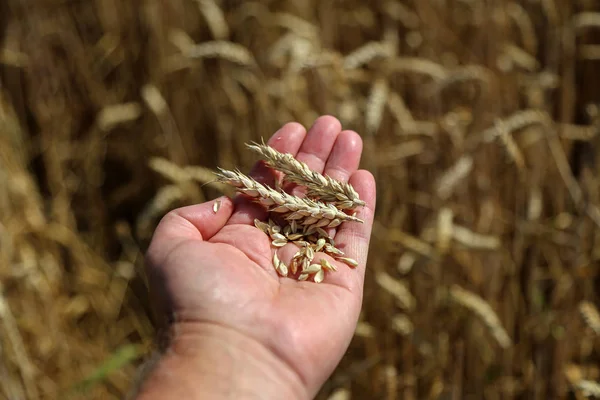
(319, 186)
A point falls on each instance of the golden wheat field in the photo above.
(480, 121)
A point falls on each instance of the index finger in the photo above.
(353, 237)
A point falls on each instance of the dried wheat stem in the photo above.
(319, 186)
(303, 210)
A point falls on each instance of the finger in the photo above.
(345, 156)
(286, 140)
(197, 222)
(353, 237)
(319, 141)
(317, 147)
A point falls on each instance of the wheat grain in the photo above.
(590, 315)
(483, 311)
(322, 187)
(348, 261)
(319, 276)
(327, 265)
(302, 277)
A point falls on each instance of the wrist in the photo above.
(209, 361)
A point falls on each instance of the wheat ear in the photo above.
(302, 210)
(319, 186)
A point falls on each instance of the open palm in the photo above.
(216, 268)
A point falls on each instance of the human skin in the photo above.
(236, 328)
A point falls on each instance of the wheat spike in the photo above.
(396, 288)
(234, 52)
(319, 186)
(516, 56)
(586, 20)
(523, 21)
(589, 388)
(113, 115)
(214, 18)
(402, 324)
(590, 315)
(420, 66)
(483, 311)
(375, 105)
(452, 176)
(366, 53)
(302, 210)
(515, 122)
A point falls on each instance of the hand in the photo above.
(211, 274)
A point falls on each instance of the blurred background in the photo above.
(480, 121)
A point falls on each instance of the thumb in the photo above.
(196, 222)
